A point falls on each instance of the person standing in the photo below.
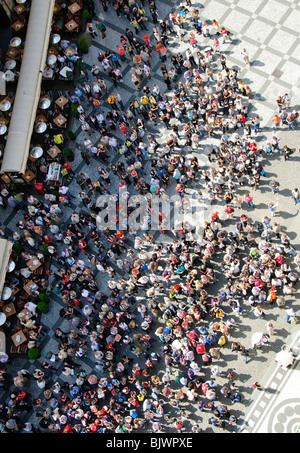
(276, 120)
(167, 80)
(276, 229)
(85, 156)
(135, 25)
(119, 100)
(286, 100)
(249, 200)
(270, 328)
(90, 29)
(121, 51)
(286, 152)
(178, 426)
(296, 195)
(147, 71)
(275, 143)
(280, 103)
(258, 312)
(290, 121)
(256, 123)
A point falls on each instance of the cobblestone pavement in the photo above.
(268, 29)
(276, 409)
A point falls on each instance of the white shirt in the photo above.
(31, 307)
(63, 190)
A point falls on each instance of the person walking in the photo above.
(249, 200)
(270, 328)
(256, 124)
(258, 312)
(257, 386)
(101, 27)
(245, 55)
(272, 206)
(290, 315)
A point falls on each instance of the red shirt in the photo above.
(121, 50)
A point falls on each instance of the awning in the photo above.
(5, 251)
(29, 85)
(8, 6)
(2, 342)
(2, 85)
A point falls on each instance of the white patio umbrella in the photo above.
(36, 152)
(3, 129)
(11, 265)
(44, 103)
(15, 42)
(285, 358)
(40, 127)
(5, 106)
(54, 39)
(51, 60)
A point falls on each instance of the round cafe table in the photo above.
(10, 64)
(8, 76)
(64, 71)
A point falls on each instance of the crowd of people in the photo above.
(157, 330)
